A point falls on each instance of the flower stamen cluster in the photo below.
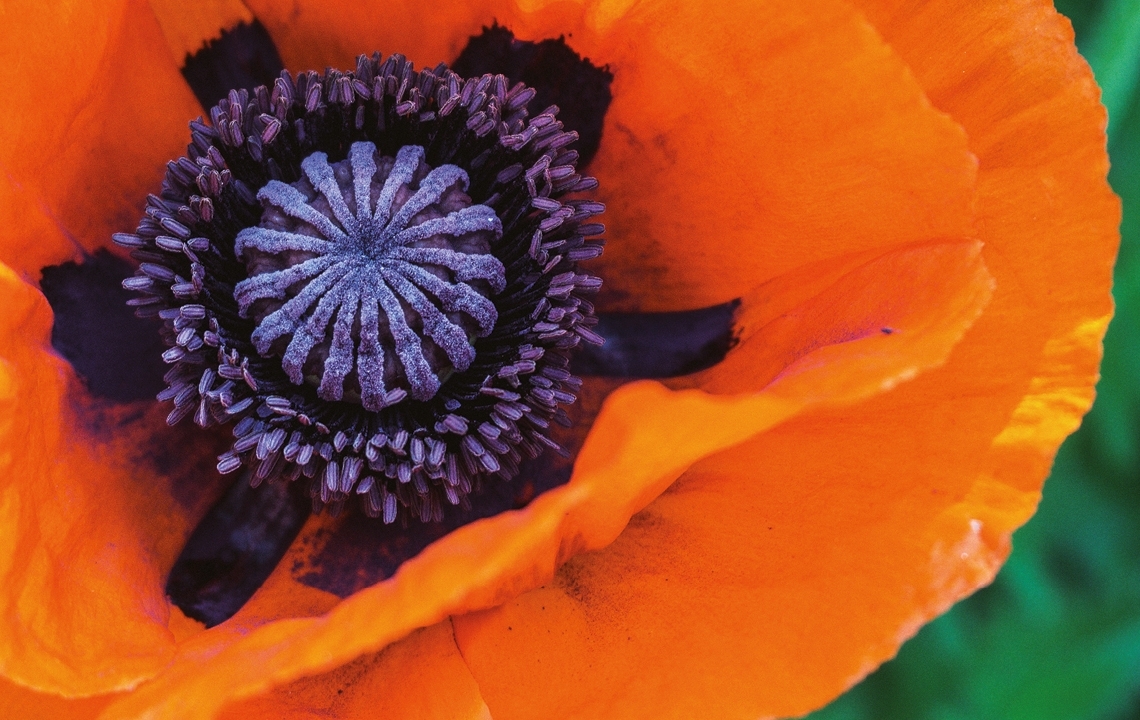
(374, 276)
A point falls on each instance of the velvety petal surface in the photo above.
(20, 702)
(82, 530)
(1044, 209)
(433, 682)
(491, 561)
(645, 436)
(95, 107)
(839, 241)
(718, 169)
(747, 139)
(91, 517)
(789, 567)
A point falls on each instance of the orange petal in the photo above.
(1035, 121)
(95, 111)
(311, 34)
(745, 140)
(806, 556)
(750, 589)
(98, 500)
(719, 171)
(433, 683)
(187, 27)
(643, 439)
(828, 348)
(18, 702)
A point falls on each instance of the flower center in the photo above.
(374, 276)
(388, 254)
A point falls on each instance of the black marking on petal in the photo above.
(242, 57)
(116, 353)
(362, 552)
(659, 345)
(557, 73)
(235, 548)
(357, 553)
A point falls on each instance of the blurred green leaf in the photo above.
(1112, 47)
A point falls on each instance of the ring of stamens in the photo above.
(361, 269)
(250, 250)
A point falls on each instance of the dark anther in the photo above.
(659, 345)
(244, 56)
(558, 75)
(235, 548)
(116, 353)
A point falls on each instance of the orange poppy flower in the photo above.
(910, 201)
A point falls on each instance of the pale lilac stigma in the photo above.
(372, 276)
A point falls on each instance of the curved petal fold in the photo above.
(83, 533)
(187, 27)
(865, 179)
(434, 685)
(807, 555)
(643, 439)
(95, 110)
(745, 140)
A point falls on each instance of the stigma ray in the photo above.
(365, 271)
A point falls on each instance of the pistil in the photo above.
(374, 276)
(403, 279)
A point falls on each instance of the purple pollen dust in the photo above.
(371, 276)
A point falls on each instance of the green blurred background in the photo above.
(1057, 635)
